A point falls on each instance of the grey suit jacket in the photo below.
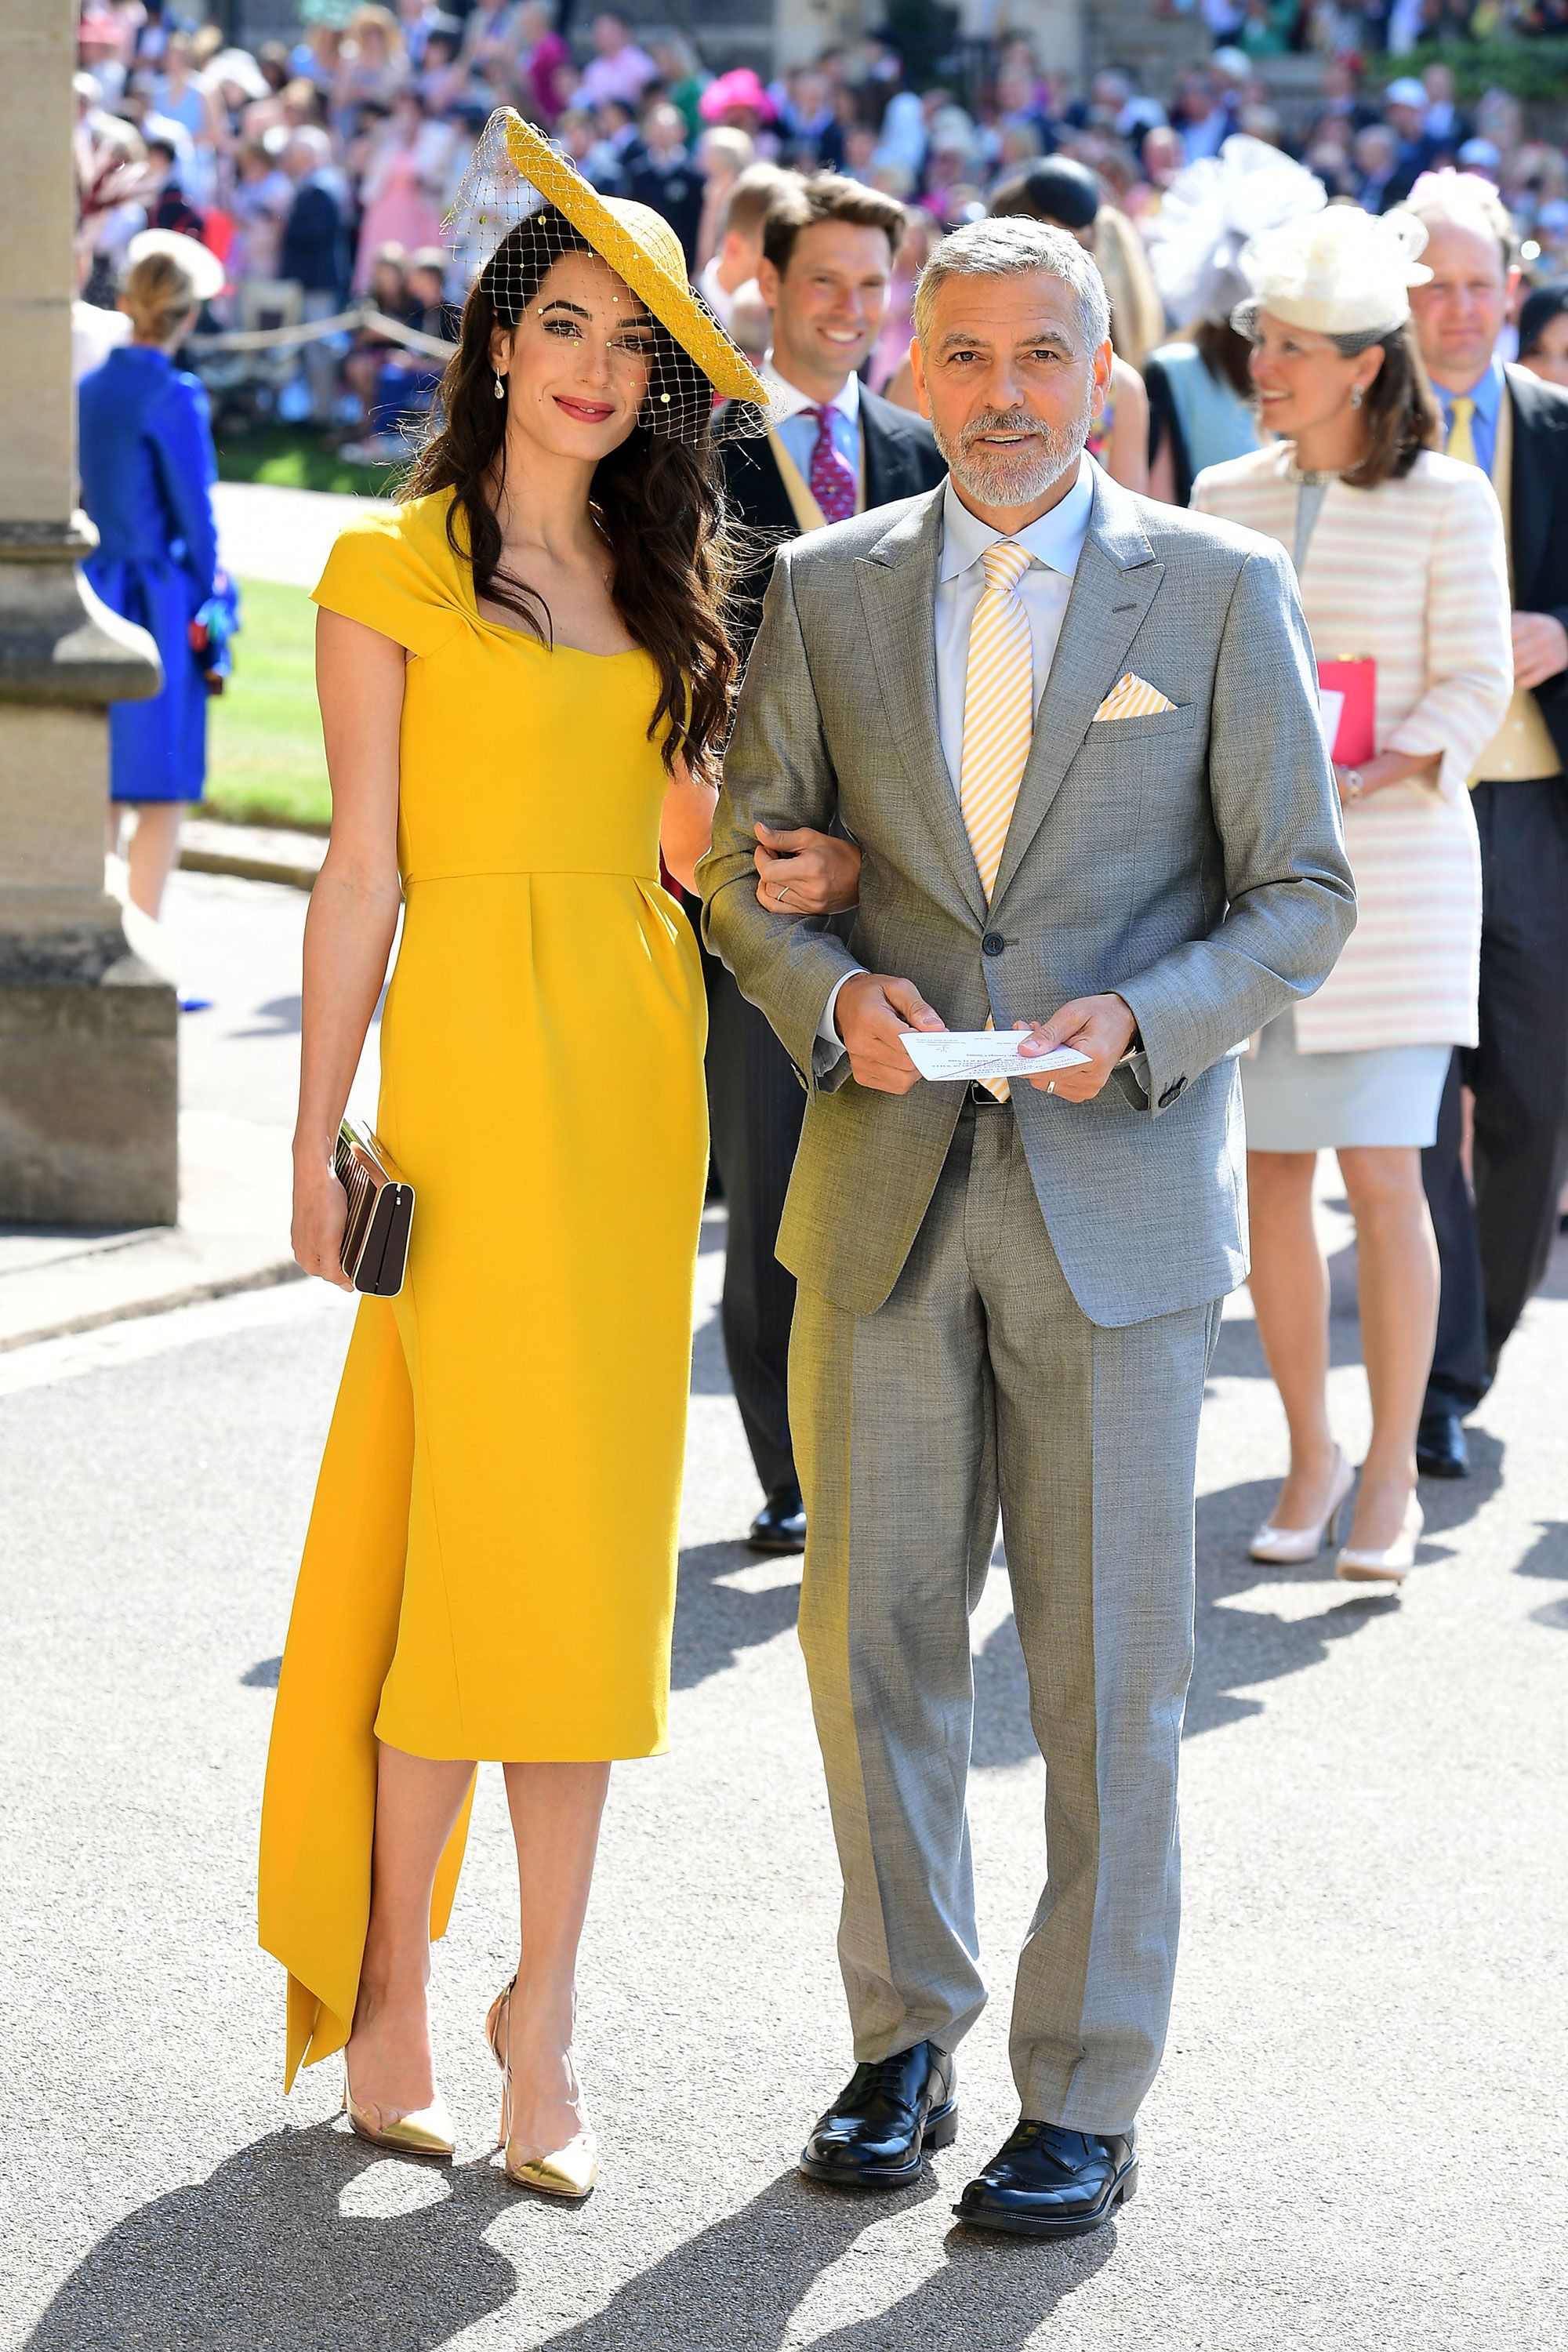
(1194, 860)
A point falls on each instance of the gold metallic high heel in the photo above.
(569, 2172)
(402, 2131)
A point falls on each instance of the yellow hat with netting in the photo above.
(516, 177)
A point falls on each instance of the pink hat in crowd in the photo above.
(738, 91)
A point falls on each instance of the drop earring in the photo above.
(500, 387)
(1356, 392)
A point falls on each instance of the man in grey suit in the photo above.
(1075, 734)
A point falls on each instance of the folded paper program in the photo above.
(982, 1054)
(1134, 697)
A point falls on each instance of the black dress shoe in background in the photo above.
(873, 2134)
(1047, 2182)
(780, 1525)
(1442, 1449)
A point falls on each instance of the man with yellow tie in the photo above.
(1075, 735)
(1494, 1248)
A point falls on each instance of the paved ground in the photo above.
(267, 532)
(236, 943)
(1357, 2142)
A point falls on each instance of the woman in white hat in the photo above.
(147, 468)
(1399, 552)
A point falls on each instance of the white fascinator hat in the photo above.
(1210, 210)
(1340, 272)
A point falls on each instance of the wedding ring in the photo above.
(1050, 1086)
(784, 891)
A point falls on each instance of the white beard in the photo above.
(1018, 477)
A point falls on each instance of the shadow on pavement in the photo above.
(278, 1017)
(715, 1621)
(1548, 1557)
(737, 2286)
(259, 2256)
(1238, 1648)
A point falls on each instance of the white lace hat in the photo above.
(1338, 272)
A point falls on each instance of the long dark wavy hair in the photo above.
(657, 500)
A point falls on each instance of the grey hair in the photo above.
(1017, 249)
(1479, 209)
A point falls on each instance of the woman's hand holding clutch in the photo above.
(807, 873)
(320, 1213)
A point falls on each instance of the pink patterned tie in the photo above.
(832, 478)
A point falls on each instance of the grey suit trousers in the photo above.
(980, 1383)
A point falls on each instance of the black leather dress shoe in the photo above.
(780, 1525)
(887, 2114)
(1046, 2182)
(1442, 1449)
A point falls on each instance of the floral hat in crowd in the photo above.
(1340, 272)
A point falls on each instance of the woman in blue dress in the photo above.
(147, 467)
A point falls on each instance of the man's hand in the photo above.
(1539, 648)
(872, 1014)
(1101, 1026)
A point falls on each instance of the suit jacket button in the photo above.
(992, 943)
(1172, 1091)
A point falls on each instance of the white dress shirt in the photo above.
(1055, 544)
(796, 428)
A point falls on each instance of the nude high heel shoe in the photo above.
(1292, 1547)
(1390, 1566)
(568, 2172)
(402, 2131)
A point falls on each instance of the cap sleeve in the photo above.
(390, 575)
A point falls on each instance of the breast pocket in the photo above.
(1105, 734)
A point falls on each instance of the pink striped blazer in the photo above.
(1414, 574)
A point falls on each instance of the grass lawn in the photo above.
(265, 764)
(298, 459)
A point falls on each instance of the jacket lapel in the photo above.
(897, 595)
(1118, 578)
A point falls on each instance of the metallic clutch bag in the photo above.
(374, 1254)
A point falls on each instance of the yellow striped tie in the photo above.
(998, 717)
(1461, 440)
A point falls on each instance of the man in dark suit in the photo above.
(827, 257)
(1494, 1248)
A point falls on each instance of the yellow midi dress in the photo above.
(490, 1570)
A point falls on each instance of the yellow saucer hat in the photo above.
(638, 243)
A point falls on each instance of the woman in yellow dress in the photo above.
(525, 681)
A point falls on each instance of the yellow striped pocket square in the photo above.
(1134, 697)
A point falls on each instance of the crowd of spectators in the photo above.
(320, 171)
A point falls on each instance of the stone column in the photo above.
(88, 1077)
